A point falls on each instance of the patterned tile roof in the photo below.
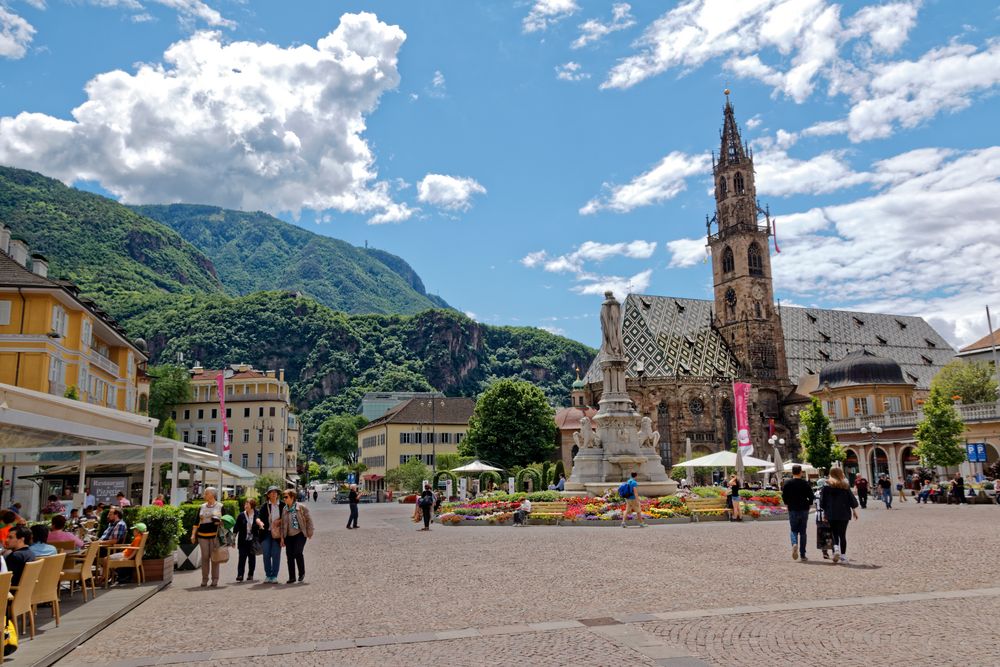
(673, 335)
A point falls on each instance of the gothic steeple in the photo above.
(732, 151)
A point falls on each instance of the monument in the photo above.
(619, 441)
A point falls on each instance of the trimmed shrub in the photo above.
(559, 471)
(164, 526)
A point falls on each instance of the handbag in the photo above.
(220, 555)
(256, 547)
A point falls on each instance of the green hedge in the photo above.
(163, 523)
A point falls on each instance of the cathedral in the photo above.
(684, 354)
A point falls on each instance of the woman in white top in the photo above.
(206, 535)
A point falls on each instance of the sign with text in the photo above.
(741, 402)
(976, 452)
(106, 489)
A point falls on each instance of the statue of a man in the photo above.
(611, 327)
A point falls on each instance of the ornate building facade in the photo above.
(684, 354)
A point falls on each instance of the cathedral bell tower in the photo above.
(741, 264)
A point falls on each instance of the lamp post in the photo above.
(872, 431)
(433, 406)
(774, 441)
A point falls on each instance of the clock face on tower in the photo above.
(731, 296)
(757, 292)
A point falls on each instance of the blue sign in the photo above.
(976, 452)
(350, 477)
(981, 451)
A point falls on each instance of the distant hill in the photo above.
(255, 251)
(106, 248)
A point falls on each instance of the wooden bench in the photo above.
(547, 510)
(705, 505)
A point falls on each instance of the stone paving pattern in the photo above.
(389, 579)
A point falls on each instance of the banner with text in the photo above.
(741, 401)
(220, 382)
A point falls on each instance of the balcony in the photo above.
(103, 363)
(57, 388)
(977, 412)
(741, 228)
(267, 396)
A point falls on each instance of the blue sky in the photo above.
(524, 157)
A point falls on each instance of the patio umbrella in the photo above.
(476, 466)
(787, 467)
(778, 466)
(722, 460)
(739, 465)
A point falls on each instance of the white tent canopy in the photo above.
(788, 467)
(476, 466)
(721, 460)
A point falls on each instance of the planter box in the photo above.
(159, 569)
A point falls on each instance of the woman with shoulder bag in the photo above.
(839, 505)
(206, 535)
(296, 528)
(247, 540)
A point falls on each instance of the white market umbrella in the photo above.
(722, 460)
(476, 466)
(787, 467)
(740, 470)
(778, 464)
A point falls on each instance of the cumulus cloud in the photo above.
(241, 124)
(571, 71)
(15, 34)
(686, 252)
(453, 193)
(544, 13)
(189, 11)
(664, 181)
(593, 30)
(588, 282)
(781, 175)
(619, 285)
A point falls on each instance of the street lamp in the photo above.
(872, 431)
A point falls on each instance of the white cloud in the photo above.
(453, 193)
(571, 71)
(189, 11)
(558, 331)
(15, 34)
(781, 175)
(588, 282)
(593, 30)
(544, 13)
(533, 259)
(686, 252)
(241, 124)
(438, 87)
(754, 122)
(621, 286)
(664, 181)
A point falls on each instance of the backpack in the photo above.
(625, 490)
(426, 501)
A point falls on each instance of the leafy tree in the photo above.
(973, 382)
(267, 480)
(72, 393)
(171, 386)
(338, 437)
(168, 429)
(448, 461)
(511, 424)
(312, 470)
(340, 473)
(937, 434)
(409, 476)
(817, 436)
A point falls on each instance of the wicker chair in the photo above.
(82, 570)
(21, 605)
(64, 545)
(47, 588)
(5, 580)
(134, 562)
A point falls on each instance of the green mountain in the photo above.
(106, 248)
(253, 252)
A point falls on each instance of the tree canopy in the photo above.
(512, 424)
(409, 476)
(972, 382)
(337, 438)
(937, 434)
(171, 386)
(818, 441)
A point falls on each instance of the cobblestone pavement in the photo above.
(398, 587)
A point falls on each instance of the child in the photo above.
(125, 575)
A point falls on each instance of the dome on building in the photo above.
(860, 368)
(578, 383)
(568, 419)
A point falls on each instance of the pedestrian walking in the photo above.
(248, 540)
(296, 528)
(352, 503)
(798, 496)
(206, 535)
(628, 492)
(861, 484)
(839, 506)
(958, 489)
(900, 489)
(315, 495)
(733, 499)
(885, 490)
(269, 522)
(426, 503)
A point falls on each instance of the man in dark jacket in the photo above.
(798, 496)
(861, 484)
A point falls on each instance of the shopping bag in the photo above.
(824, 536)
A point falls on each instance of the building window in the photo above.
(446, 438)
(4, 313)
(229, 413)
(459, 437)
(260, 411)
(173, 415)
(260, 435)
(272, 411)
(201, 437)
(270, 459)
(259, 459)
(728, 260)
(186, 437)
(893, 404)
(59, 320)
(246, 413)
(86, 333)
(861, 406)
(738, 184)
(230, 433)
(754, 260)
(211, 436)
(246, 435)
(244, 460)
(187, 415)
(833, 409)
(404, 438)
(201, 414)
(270, 435)
(722, 187)
(215, 413)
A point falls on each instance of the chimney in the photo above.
(18, 251)
(269, 373)
(4, 238)
(281, 374)
(39, 265)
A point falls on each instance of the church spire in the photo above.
(732, 151)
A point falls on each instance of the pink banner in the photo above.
(220, 382)
(741, 400)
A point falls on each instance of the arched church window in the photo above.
(754, 260)
(728, 261)
(738, 183)
(756, 309)
(722, 187)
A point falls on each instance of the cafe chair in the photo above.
(64, 545)
(82, 570)
(134, 561)
(21, 605)
(5, 580)
(47, 588)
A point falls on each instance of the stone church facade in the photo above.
(684, 354)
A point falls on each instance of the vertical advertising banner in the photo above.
(511, 485)
(220, 383)
(741, 401)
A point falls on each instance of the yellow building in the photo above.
(417, 428)
(263, 432)
(53, 340)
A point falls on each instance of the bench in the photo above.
(547, 510)
(705, 505)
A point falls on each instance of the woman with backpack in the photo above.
(426, 503)
(838, 505)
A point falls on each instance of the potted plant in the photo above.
(164, 526)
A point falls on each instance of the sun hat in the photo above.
(141, 527)
(228, 521)
(272, 488)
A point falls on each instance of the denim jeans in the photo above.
(798, 522)
(272, 556)
(887, 498)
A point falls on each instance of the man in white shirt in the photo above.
(522, 512)
(90, 500)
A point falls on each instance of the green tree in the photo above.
(448, 461)
(937, 434)
(72, 393)
(340, 473)
(409, 476)
(972, 382)
(338, 437)
(817, 436)
(312, 470)
(267, 480)
(512, 424)
(168, 429)
(171, 386)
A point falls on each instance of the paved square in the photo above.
(921, 588)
